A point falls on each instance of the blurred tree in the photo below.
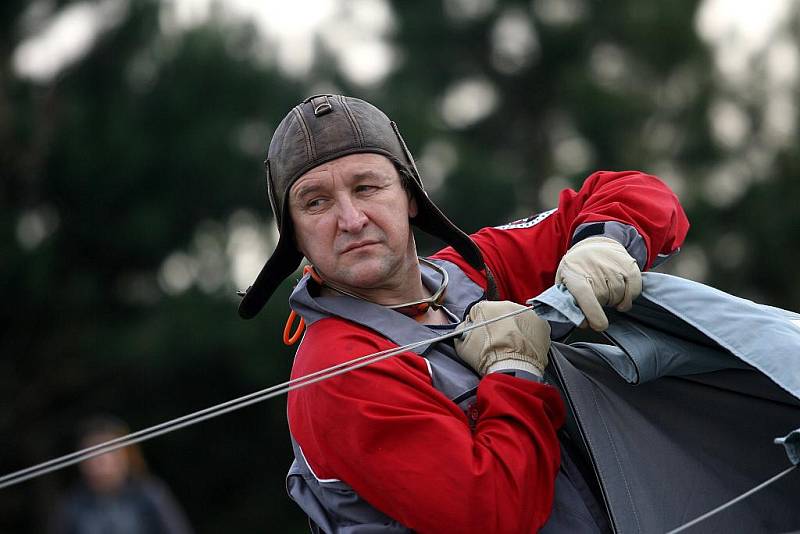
(110, 168)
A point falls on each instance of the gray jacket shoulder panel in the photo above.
(402, 330)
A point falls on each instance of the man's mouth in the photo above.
(355, 246)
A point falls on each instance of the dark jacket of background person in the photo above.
(143, 505)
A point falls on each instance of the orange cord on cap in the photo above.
(290, 339)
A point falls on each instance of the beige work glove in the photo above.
(598, 272)
(518, 342)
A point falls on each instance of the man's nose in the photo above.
(352, 218)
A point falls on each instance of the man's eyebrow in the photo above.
(304, 189)
(369, 173)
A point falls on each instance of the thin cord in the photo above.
(229, 406)
(733, 501)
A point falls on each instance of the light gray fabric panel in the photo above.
(760, 336)
(765, 337)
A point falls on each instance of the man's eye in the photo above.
(315, 203)
(365, 188)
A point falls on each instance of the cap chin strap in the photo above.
(411, 309)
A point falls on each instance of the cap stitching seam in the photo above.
(307, 134)
(358, 136)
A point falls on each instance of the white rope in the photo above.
(229, 406)
(67, 460)
(733, 501)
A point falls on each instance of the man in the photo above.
(457, 437)
(116, 492)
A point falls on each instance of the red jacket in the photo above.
(413, 454)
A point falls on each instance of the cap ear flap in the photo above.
(273, 202)
(409, 157)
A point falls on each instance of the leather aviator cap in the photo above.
(320, 129)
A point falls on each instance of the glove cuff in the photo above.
(625, 234)
(515, 361)
(519, 373)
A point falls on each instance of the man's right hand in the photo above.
(519, 342)
(598, 272)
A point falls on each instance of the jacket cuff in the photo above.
(622, 233)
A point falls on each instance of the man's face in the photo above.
(351, 221)
(105, 473)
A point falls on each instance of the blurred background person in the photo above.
(115, 493)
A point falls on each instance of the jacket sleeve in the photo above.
(636, 209)
(412, 453)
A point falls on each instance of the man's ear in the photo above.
(296, 241)
(412, 206)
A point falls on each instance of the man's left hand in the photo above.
(521, 341)
(598, 272)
